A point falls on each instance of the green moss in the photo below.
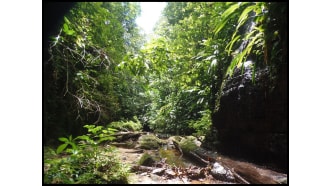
(176, 138)
(130, 144)
(191, 138)
(146, 160)
(150, 142)
(171, 157)
(188, 144)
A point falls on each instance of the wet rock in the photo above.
(170, 173)
(143, 174)
(196, 174)
(159, 171)
(163, 136)
(282, 180)
(252, 118)
(201, 138)
(221, 173)
(170, 144)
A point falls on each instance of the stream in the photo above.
(173, 159)
(174, 168)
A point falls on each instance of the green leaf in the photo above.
(70, 32)
(108, 138)
(89, 126)
(73, 145)
(244, 15)
(112, 129)
(67, 30)
(225, 17)
(231, 43)
(63, 139)
(67, 20)
(65, 27)
(61, 148)
(249, 35)
(104, 131)
(242, 69)
(84, 137)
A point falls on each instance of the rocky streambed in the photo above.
(179, 159)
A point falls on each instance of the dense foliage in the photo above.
(84, 81)
(199, 44)
(85, 161)
(102, 71)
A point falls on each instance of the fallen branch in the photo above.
(239, 177)
(201, 160)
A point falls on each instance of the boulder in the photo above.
(149, 142)
(146, 160)
(221, 173)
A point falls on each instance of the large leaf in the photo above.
(226, 16)
(244, 15)
(61, 148)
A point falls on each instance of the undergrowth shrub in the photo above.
(82, 160)
(127, 125)
(202, 126)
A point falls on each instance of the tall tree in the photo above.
(84, 84)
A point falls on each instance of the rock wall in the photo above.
(252, 119)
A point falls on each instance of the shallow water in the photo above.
(174, 158)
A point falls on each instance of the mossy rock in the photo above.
(192, 138)
(188, 144)
(146, 160)
(149, 142)
(172, 157)
(201, 138)
(176, 138)
(130, 144)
